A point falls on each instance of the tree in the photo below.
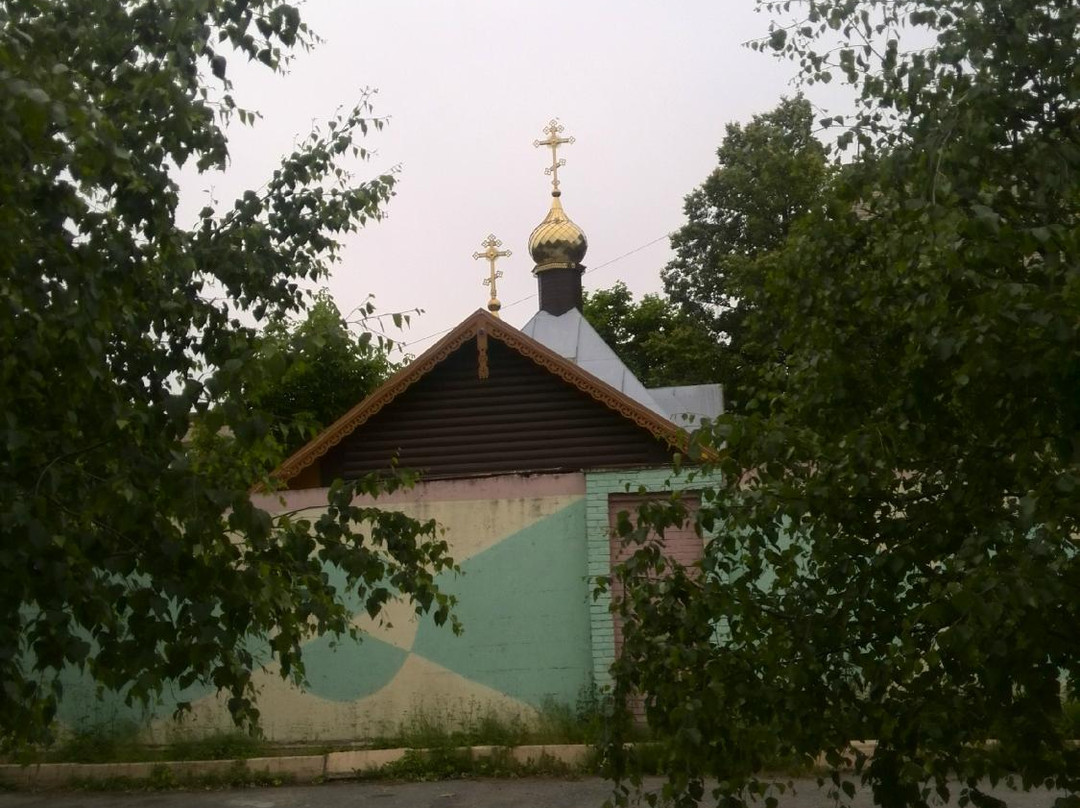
(329, 369)
(896, 553)
(770, 172)
(658, 343)
(124, 554)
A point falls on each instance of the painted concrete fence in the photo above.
(527, 545)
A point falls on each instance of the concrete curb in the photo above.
(300, 768)
(57, 775)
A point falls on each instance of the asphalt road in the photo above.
(523, 793)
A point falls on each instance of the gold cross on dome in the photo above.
(553, 141)
(492, 253)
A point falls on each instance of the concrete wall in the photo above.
(523, 599)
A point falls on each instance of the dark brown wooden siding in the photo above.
(560, 289)
(521, 418)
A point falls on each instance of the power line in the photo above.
(533, 295)
(627, 254)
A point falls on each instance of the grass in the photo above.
(162, 778)
(438, 747)
(220, 746)
(554, 724)
(451, 764)
(119, 743)
(103, 743)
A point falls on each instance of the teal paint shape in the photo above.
(524, 607)
(349, 671)
(345, 670)
(336, 577)
(83, 707)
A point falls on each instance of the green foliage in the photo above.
(125, 554)
(770, 173)
(446, 763)
(661, 345)
(896, 554)
(327, 370)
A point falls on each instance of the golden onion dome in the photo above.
(557, 242)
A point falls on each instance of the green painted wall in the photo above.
(523, 599)
(524, 604)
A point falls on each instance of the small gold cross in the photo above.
(492, 253)
(553, 141)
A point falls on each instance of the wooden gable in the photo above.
(487, 399)
(520, 418)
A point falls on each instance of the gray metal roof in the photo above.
(572, 337)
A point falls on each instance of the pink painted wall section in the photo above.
(682, 543)
(511, 486)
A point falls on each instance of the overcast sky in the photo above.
(645, 86)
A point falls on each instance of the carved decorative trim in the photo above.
(481, 325)
(481, 354)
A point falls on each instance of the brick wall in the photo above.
(599, 486)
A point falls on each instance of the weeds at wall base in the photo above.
(111, 743)
(421, 765)
(423, 746)
(553, 723)
(163, 778)
(123, 742)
